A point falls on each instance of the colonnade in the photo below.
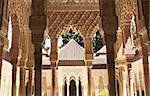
(37, 26)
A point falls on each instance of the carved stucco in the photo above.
(125, 9)
(84, 17)
(83, 21)
(21, 9)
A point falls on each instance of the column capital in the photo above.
(37, 23)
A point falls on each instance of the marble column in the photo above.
(14, 71)
(77, 87)
(0, 64)
(85, 90)
(30, 70)
(131, 82)
(68, 84)
(123, 81)
(82, 90)
(63, 90)
(22, 81)
(60, 90)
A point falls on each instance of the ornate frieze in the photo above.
(73, 5)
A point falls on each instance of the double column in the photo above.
(53, 59)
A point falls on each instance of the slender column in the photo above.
(68, 84)
(14, 70)
(60, 90)
(85, 90)
(63, 89)
(82, 90)
(77, 87)
(0, 64)
(53, 81)
(131, 83)
(30, 81)
(123, 77)
(89, 81)
(53, 59)
(88, 57)
(22, 81)
(140, 84)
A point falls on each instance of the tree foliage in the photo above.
(97, 42)
(97, 39)
(66, 37)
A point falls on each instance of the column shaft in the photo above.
(0, 67)
(30, 82)
(89, 82)
(111, 69)
(123, 78)
(68, 84)
(131, 84)
(53, 59)
(53, 81)
(89, 58)
(22, 81)
(14, 70)
(38, 69)
(77, 88)
(60, 90)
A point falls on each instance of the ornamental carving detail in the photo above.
(125, 9)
